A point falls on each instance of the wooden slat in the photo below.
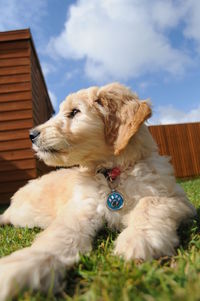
(173, 144)
(15, 115)
(16, 175)
(16, 124)
(35, 110)
(193, 134)
(41, 102)
(14, 45)
(14, 134)
(181, 142)
(12, 187)
(160, 137)
(35, 97)
(15, 87)
(5, 198)
(14, 145)
(15, 96)
(16, 155)
(15, 106)
(36, 120)
(13, 35)
(14, 53)
(19, 78)
(14, 62)
(17, 164)
(14, 70)
(40, 98)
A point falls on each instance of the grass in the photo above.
(104, 277)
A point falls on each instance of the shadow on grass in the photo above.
(3, 208)
(189, 229)
(76, 284)
(75, 281)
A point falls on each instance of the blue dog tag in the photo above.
(115, 201)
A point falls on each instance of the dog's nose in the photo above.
(33, 135)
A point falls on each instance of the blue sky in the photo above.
(151, 46)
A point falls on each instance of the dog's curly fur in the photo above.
(106, 130)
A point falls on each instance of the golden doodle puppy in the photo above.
(121, 180)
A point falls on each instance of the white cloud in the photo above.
(145, 84)
(169, 115)
(17, 14)
(53, 98)
(192, 29)
(120, 39)
(72, 74)
(47, 68)
(166, 14)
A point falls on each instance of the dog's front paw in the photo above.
(7, 283)
(13, 274)
(132, 244)
(146, 245)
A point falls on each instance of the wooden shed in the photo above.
(181, 143)
(24, 103)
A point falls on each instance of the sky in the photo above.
(153, 47)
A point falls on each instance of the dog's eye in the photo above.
(73, 113)
(98, 100)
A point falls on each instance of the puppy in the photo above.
(121, 180)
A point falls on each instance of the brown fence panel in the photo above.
(181, 143)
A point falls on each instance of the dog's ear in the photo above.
(132, 117)
(122, 113)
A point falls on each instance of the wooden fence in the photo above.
(182, 143)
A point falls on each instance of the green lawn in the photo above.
(102, 276)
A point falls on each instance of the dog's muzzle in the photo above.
(34, 134)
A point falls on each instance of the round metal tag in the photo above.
(115, 201)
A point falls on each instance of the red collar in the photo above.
(110, 174)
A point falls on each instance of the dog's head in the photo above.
(92, 125)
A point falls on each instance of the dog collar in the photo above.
(110, 174)
(115, 200)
